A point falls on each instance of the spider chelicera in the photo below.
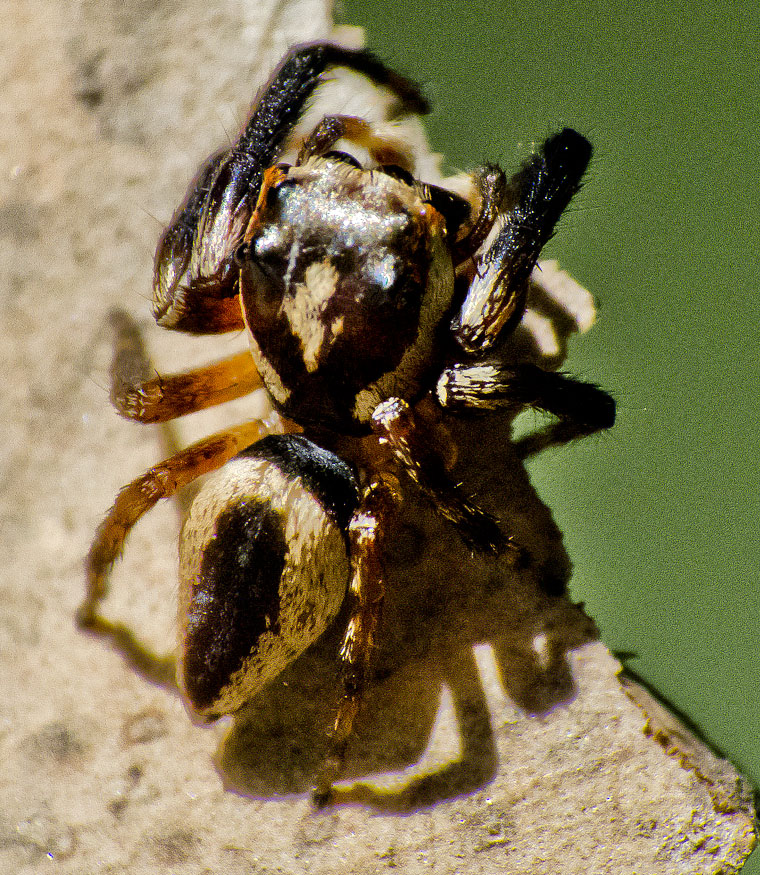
(373, 303)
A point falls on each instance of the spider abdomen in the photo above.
(263, 568)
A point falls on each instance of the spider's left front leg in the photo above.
(495, 300)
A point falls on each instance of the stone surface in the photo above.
(498, 725)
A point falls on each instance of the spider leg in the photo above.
(164, 397)
(195, 285)
(366, 531)
(139, 496)
(183, 298)
(414, 447)
(383, 149)
(492, 187)
(495, 301)
(495, 386)
(168, 396)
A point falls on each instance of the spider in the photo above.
(373, 303)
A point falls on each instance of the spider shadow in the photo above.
(440, 602)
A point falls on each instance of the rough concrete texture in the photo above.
(498, 734)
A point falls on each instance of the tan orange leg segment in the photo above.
(162, 398)
(383, 149)
(135, 499)
(167, 397)
(366, 539)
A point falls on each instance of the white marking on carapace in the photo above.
(304, 306)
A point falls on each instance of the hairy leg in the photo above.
(494, 386)
(414, 448)
(383, 149)
(166, 397)
(492, 187)
(139, 496)
(495, 301)
(367, 589)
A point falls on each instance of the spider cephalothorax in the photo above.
(374, 302)
(345, 277)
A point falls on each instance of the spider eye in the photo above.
(454, 209)
(343, 157)
(399, 173)
(271, 246)
(241, 254)
(382, 273)
(265, 250)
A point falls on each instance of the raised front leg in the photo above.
(183, 298)
(195, 285)
(495, 301)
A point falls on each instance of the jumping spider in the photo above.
(373, 303)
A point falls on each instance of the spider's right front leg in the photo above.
(196, 280)
(366, 535)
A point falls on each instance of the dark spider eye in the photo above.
(277, 193)
(453, 208)
(267, 247)
(382, 275)
(271, 245)
(398, 173)
(343, 157)
(241, 254)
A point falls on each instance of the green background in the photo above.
(661, 514)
